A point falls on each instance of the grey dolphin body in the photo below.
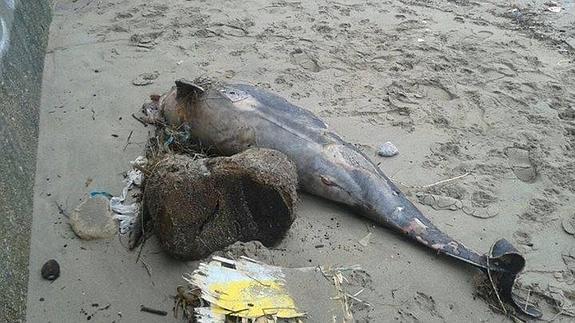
(234, 117)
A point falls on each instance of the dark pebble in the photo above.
(51, 270)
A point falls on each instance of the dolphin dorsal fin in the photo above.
(188, 89)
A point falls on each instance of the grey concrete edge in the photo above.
(24, 26)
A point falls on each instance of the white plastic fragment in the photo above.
(387, 150)
(140, 161)
(207, 315)
(135, 176)
(126, 214)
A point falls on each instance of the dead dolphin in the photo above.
(234, 117)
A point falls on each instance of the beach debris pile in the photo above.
(199, 206)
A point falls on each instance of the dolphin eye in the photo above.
(327, 181)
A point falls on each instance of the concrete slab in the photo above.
(23, 35)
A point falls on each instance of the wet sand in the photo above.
(485, 89)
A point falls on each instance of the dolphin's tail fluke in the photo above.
(391, 208)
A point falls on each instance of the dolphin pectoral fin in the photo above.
(188, 89)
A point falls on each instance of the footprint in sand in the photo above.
(483, 34)
(427, 303)
(523, 238)
(521, 164)
(435, 91)
(306, 61)
(440, 202)
(568, 223)
(567, 115)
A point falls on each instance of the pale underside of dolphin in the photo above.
(234, 117)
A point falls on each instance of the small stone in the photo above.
(51, 270)
(387, 150)
(93, 219)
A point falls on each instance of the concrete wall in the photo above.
(23, 35)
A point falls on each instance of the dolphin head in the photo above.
(173, 103)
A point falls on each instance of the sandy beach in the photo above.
(483, 92)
